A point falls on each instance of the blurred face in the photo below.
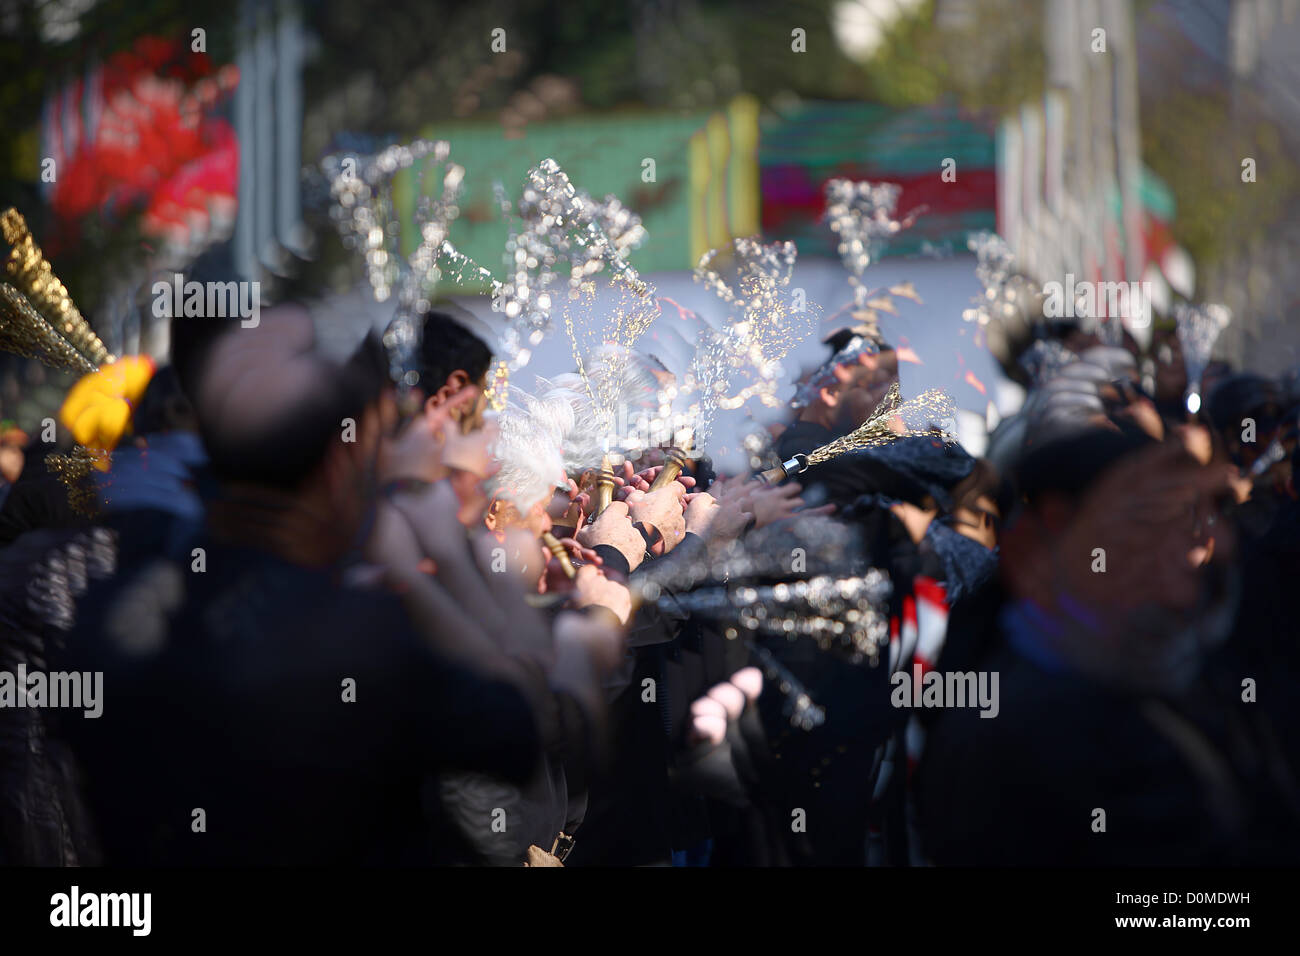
(11, 462)
(1153, 519)
(979, 521)
(861, 387)
(469, 458)
(502, 514)
(469, 417)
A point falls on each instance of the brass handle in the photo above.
(604, 486)
(561, 554)
(675, 460)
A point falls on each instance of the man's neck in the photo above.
(291, 527)
(818, 414)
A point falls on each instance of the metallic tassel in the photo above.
(32, 275)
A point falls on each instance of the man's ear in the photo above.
(493, 517)
(458, 379)
(454, 385)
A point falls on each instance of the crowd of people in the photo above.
(342, 623)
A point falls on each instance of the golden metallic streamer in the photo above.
(74, 471)
(31, 273)
(927, 414)
(765, 320)
(25, 332)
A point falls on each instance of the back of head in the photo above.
(448, 345)
(163, 407)
(1069, 465)
(268, 405)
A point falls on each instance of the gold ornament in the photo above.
(928, 414)
(25, 332)
(74, 470)
(31, 273)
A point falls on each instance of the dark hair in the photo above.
(447, 345)
(163, 406)
(192, 341)
(1070, 465)
(283, 453)
(982, 480)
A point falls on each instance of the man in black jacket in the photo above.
(260, 710)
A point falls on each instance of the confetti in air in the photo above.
(1198, 329)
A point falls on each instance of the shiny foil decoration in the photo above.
(932, 413)
(25, 332)
(31, 274)
(563, 229)
(363, 210)
(837, 613)
(862, 214)
(765, 320)
(74, 471)
(1198, 328)
(575, 226)
(994, 267)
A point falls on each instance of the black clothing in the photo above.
(634, 815)
(1189, 779)
(240, 710)
(38, 499)
(43, 821)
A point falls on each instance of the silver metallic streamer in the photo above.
(994, 267)
(1198, 328)
(862, 214)
(363, 209)
(765, 321)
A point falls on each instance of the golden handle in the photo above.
(675, 461)
(604, 486)
(561, 554)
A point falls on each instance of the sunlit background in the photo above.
(154, 136)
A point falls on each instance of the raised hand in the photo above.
(614, 527)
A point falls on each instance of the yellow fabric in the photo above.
(98, 408)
